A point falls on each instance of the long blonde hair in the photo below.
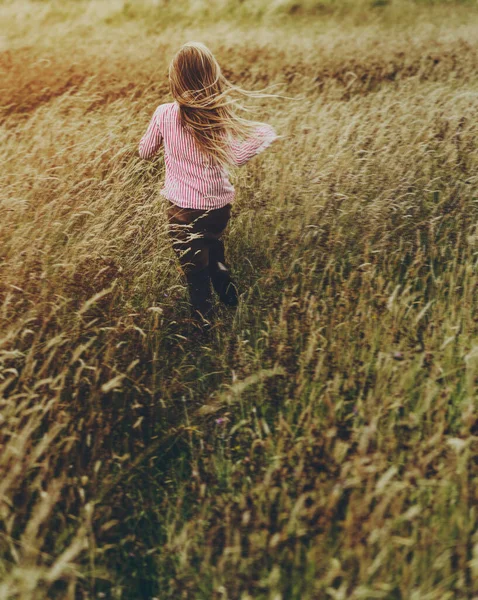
(206, 101)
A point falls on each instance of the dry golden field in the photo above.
(323, 442)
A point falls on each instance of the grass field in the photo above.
(322, 444)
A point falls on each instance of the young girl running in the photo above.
(203, 136)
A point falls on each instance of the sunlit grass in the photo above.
(322, 442)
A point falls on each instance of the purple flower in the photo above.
(220, 421)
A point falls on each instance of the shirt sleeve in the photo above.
(152, 139)
(242, 151)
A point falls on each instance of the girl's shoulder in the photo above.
(167, 111)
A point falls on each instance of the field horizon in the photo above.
(322, 442)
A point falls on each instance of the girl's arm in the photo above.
(247, 149)
(151, 140)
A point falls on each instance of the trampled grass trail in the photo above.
(322, 444)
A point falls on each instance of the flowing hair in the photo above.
(206, 101)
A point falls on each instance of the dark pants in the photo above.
(196, 234)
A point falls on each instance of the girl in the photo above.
(203, 136)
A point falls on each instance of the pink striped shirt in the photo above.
(192, 182)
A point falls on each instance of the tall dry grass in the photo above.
(322, 443)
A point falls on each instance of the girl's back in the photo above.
(193, 180)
